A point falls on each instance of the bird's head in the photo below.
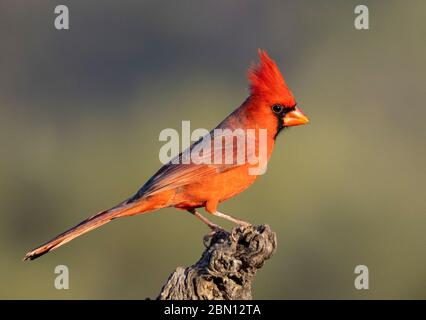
(271, 101)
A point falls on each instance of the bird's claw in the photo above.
(214, 230)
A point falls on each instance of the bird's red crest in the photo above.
(267, 81)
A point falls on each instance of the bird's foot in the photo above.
(215, 230)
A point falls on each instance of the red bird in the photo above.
(271, 106)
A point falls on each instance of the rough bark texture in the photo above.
(226, 269)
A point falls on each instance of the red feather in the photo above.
(266, 81)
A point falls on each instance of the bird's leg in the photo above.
(210, 224)
(232, 219)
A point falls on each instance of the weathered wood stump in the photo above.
(226, 269)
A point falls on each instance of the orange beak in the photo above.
(295, 118)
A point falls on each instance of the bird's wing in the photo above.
(198, 161)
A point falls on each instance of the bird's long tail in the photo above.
(123, 209)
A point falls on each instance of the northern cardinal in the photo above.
(270, 106)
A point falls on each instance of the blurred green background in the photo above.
(81, 111)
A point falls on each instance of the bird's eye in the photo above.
(277, 108)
